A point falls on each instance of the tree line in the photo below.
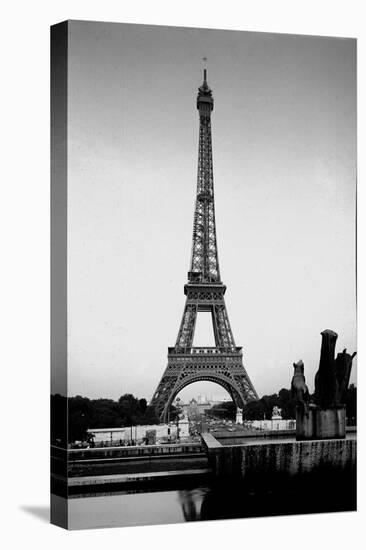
(81, 413)
(72, 417)
(261, 409)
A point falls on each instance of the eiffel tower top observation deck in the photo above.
(223, 363)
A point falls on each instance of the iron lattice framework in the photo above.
(222, 363)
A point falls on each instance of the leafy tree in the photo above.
(287, 404)
(79, 417)
(254, 410)
(87, 414)
(261, 409)
(173, 413)
(269, 401)
(150, 416)
(226, 410)
(84, 413)
(129, 410)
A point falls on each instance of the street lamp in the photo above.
(179, 409)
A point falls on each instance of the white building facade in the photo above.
(137, 435)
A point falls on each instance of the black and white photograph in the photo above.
(203, 274)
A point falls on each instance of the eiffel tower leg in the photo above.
(170, 376)
(222, 327)
(187, 326)
(202, 364)
(246, 387)
(163, 394)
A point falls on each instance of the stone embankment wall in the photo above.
(285, 457)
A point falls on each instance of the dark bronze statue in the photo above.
(343, 366)
(325, 416)
(326, 384)
(331, 379)
(299, 389)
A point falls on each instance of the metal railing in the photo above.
(204, 350)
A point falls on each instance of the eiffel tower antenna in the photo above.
(204, 59)
(205, 291)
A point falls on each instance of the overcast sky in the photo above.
(284, 149)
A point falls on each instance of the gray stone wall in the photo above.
(290, 458)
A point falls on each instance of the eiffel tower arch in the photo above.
(222, 363)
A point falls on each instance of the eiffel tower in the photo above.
(222, 363)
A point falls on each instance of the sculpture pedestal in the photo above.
(321, 423)
(239, 416)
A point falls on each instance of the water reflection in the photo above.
(217, 500)
(191, 502)
(307, 494)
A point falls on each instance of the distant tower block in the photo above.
(205, 291)
(239, 416)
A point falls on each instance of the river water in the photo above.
(209, 502)
(117, 510)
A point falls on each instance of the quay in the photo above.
(143, 482)
(128, 468)
(251, 457)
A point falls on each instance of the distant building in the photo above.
(271, 424)
(196, 408)
(276, 422)
(193, 411)
(139, 434)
